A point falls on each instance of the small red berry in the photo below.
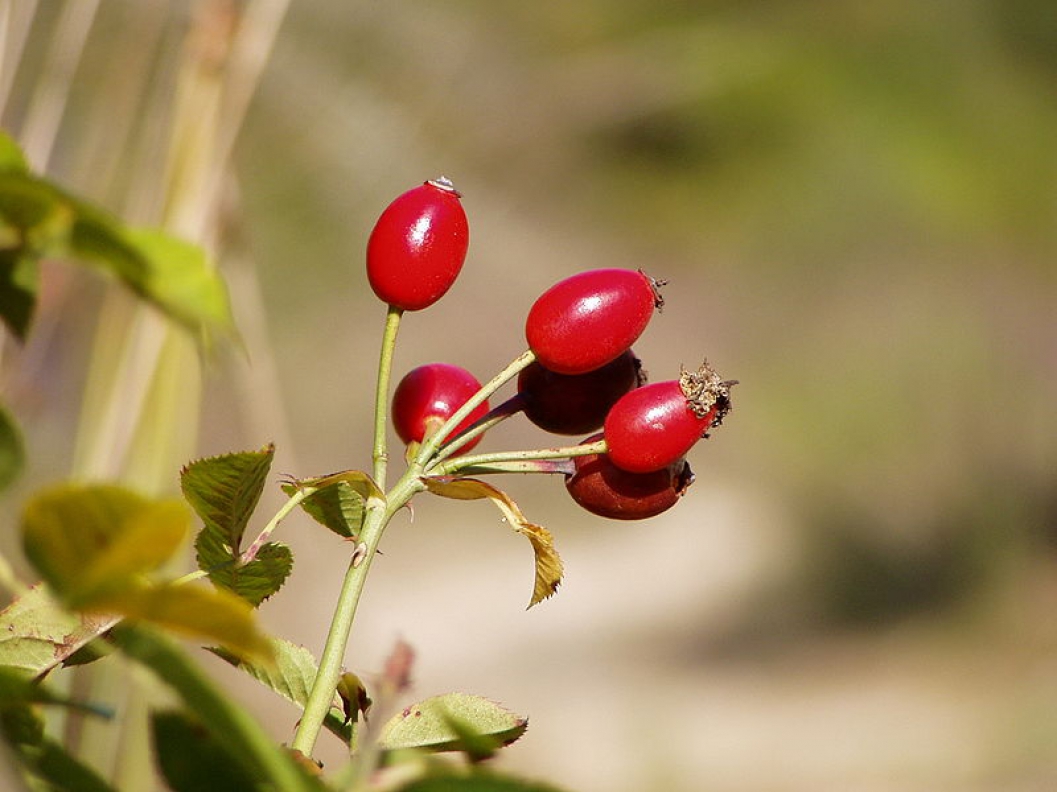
(583, 322)
(604, 489)
(575, 404)
(429, 395)
(652, 426)
(418, 246)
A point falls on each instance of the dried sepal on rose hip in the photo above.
(575, 404)
(602, 488)
(583, 322)
(429, 395)
(652, 426)
(418, 245)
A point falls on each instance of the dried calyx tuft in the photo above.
(706, 393)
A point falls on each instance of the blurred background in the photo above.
(856, 207)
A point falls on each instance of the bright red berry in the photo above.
(418, 246)
(604, 489)
(583, 322)
(575, 404)
(429, 395)
(652, 426)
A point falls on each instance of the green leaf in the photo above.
(228, 723)
(549, 567)
(12, 452)
(36, 634)
(181, 280)
(48, 761)
(224, 491)
(254, 581)
(12, 160)
(338, 507)
(19, 283)
(361, 483)
(191, 760)
(89, 541)
(473, 780)
(291, 676)
(428, 724)
(208, 614)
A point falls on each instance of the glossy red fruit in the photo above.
(604, 489)
(575, 404)
(583, 322)
(428, 395)
(653, 426)
(418, 246)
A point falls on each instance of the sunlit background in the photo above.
(856, 207)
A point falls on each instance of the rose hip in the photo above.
(602, 488)
(575, 404)
(652, 426)
(428, 395)
(583, 322)
(418, 246)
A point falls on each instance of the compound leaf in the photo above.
(224, 490)
(255, 580)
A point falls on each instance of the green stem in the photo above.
(429, 448)
(379, 513)
(294, 501)
(476, 460)
(511, 406)
(381, 396)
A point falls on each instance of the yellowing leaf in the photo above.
(548, 563)
(209, 614)
(89, 540)
(362, 484)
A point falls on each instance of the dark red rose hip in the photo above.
(583, 322)
(602, 488)
(418, 246)
(575, 404)
(652, 426)
(428, 395)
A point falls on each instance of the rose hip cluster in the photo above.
(580, 375)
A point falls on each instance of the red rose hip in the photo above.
(653, 426)
(583, 322)
(428, 396)
(418, 246)
(602, 488)
(575, 404)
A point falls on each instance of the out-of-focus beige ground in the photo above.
(855, 209)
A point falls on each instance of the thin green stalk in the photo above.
(511, 406)
(477, 460)
(429, 448)
(381, 396)
(378, 516)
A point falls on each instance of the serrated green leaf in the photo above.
(428, 724)
(228, 723)
(549, 567)
(191, 760)
(338, 507)
(89, 541)
(19, 284)
(12, 160)
(12, 452)
(254, 581)
(36, 634)
(291, 676)
(224, 490)
(208, 614)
